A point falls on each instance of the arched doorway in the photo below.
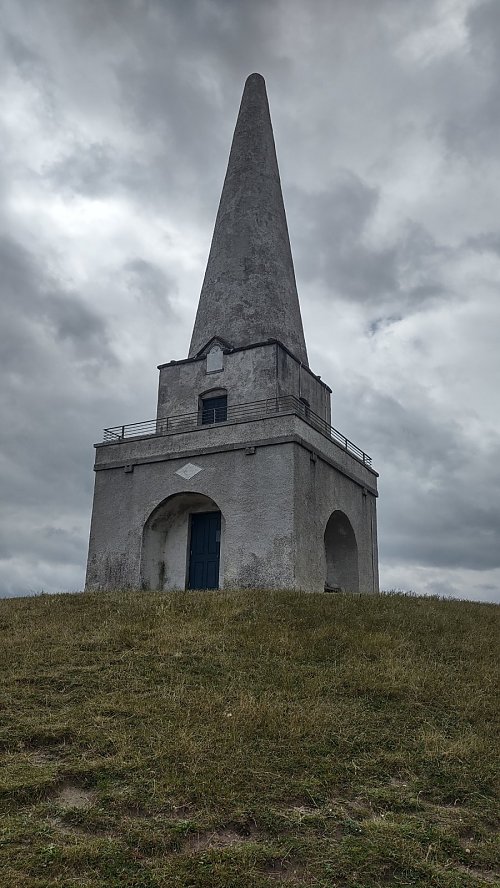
(181, 544)
(341, 554)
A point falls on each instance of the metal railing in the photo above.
(236, 413)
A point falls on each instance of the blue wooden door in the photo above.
(204, 555)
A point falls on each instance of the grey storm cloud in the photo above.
(330, 246)
(475, 130)
(489, 241)
(32, 301)
(450, 516)
(169, 86)
(151, 285)
(87, 169)
(115, 120)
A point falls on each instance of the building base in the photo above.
(296, 511)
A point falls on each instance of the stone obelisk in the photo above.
(240, 480)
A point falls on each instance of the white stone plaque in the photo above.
(215, 359)
(189, 471)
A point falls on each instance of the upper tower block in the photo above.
(249, 292)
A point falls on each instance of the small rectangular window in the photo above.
(214, 410)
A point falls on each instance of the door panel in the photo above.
(204, 555)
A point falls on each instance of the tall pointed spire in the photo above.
(249, 292)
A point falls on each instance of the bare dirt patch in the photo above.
(484, 875)
(71, 796)
(232, 834)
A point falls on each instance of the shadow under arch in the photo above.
(341, 554)
(166, 541)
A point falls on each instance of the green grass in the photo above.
(248, 739)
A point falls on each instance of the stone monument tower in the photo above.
(240, 481)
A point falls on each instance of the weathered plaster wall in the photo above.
(295, 379)
(241, 434)
(196, 439)
(254, 493)
(342, 459)
(276, 503)
(319, 491)
(114, 547)
(250, 374)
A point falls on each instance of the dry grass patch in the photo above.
(217, 838)
(288, 871)
(237, 740)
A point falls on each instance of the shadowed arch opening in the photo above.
(341, 555)
(180, 524)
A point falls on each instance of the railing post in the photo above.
(123, 431)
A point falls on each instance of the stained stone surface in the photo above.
(249, 292)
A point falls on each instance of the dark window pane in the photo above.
(214, 410)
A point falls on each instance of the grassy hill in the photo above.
(248, 739)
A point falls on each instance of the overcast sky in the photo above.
(116, 118)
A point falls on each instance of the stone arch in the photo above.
(166, 540)
(341, 554)
(213, 392)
